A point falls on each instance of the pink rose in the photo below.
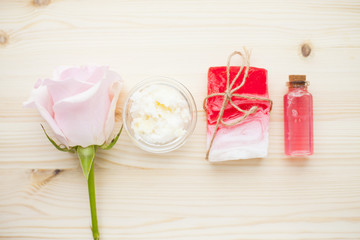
(78, 103)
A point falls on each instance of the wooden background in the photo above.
(43, 194)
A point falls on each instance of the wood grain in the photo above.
(179, 195)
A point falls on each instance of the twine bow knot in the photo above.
(228, 94)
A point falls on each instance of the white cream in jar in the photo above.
(160, 114)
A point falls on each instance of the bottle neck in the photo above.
(298, 85)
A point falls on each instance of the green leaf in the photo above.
(113, 142)
(86, 156)
(63, 149)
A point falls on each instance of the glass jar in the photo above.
(174, 87)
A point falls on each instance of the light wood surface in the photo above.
(180, 196)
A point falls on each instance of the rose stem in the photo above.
(91, 187)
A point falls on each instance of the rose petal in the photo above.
(66, 88)
(41, 100)
(90, 74)
(96, 73)
(114, 93)
(69, 81)
(82, 117)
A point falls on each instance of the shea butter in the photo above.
(160, 114)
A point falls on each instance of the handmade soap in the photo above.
(248, 138)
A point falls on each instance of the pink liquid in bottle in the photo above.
(298, 118)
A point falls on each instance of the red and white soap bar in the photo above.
(250, 137)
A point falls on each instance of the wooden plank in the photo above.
(251, 202)
(179, 195)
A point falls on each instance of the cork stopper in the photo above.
(297, 81)
(297, 78)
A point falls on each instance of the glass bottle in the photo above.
(298, 118)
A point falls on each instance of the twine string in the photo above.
(228, 94)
